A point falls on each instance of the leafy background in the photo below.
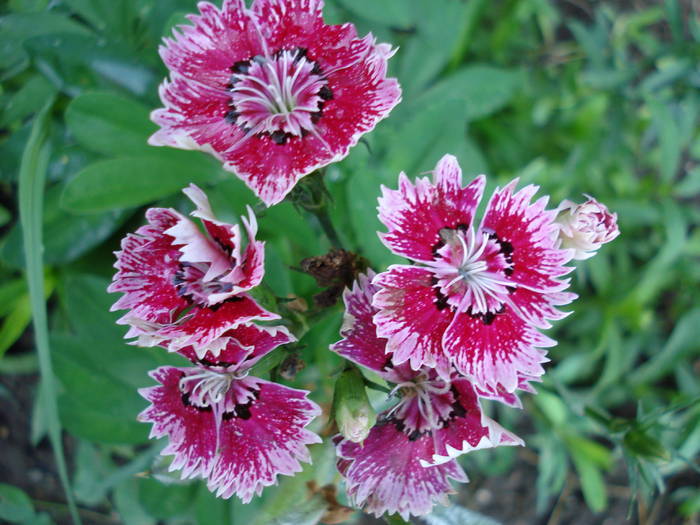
(577, 96)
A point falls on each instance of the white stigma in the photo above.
(210, 388)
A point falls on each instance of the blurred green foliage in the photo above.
(574, 97)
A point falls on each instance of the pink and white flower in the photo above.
(184, 286)
(585, 227)
(236, 431)
(271, 91)
(407, 460)
(478, 294)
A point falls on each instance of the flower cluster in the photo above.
(186, 289)
(274, 94)
(271, 91)
(462, 322)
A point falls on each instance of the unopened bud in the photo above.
(353, 412)
(585, 227)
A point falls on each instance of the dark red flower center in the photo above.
(472, 272)
(281, 96)
(224, 393)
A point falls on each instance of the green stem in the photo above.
(32, 176)
(328, 228)
(311, 195)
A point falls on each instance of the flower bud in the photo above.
(353, 412)
(585, 227)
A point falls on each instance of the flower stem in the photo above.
(328, 228)
(312, 195)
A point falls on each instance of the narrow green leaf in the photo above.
(15, 323)
(134, 181)
(592, 482)
(456, 515)
(31, 195)
(683, 341)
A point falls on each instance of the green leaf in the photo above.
(689, 186)
(683, 341)
(417, 145)
(31, 195)
(110, 124)
(483, 89)
(553, 407)
(292, 491)
(15, 323)
(457, 515)
(15, 505)
(130, 509)
(26, 25)
(165, 501)
(91, 467)
(592, 482)
(387, 12)
(67, 236)
(552, 469)
(4, 216)
(437, 37)
(96, 475)
(97, 404)
(639, 442)
(591, 451)
(134, 181)
(28, 99)
(73, 62)
(88, 304)
(209, 509)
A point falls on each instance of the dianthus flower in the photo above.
(271, 91)
(184, 286)
(585, 227)
(478, 293)
(234, 430)
(406, 462)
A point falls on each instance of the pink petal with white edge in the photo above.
(191, 432)
(469, 429)
(529, 228)
(270, 441)
(243, 269)
(540, 308)
(245, 345)
(260, 434)
(360, 343)
(498, 352)
(211, 105)
(415, 213)
(362, 96)
(384, 474)
(508, 398)
(205, 50)
(146, 267)
(206, 328)
(193, 117)
(410, 317)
